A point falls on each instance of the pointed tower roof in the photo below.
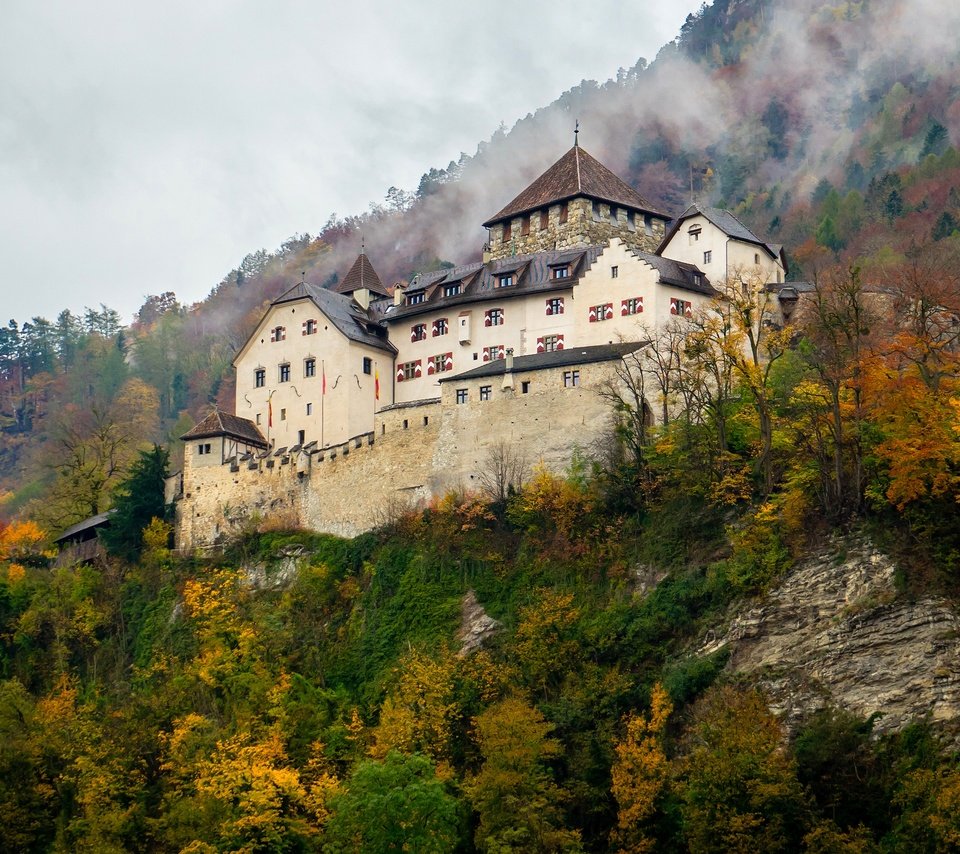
(361, 275)
(575, 174)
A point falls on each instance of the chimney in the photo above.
(487, 254)
(508, 370)
(398, 294)
(362, 298)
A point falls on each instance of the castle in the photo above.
(354, 400)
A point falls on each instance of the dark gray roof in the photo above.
(532, 274)
(555, 359)
(726, 222)
(90, 523)
(678, 273)
(409, 404)
(343, 312)
(219, 423)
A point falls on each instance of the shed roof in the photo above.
(554, 359)
(91, 523)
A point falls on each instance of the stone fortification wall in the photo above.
(586, 224)
(345, 489)
(416, 451)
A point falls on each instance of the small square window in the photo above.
(405, 424)
(367, 365)
(571, 379)
(310, 367)
(525, 387)
(283, 414)
(309, 409)
(258, 418)
(461, 395)
(708, 256)
(260, 377)
(614, 272)
(485, 392)
(284, 373)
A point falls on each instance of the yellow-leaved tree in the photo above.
(640, 775)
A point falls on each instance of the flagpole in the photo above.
(323, 395)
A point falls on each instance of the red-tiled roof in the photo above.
(361, 275)
(575, 174)
(219, 423)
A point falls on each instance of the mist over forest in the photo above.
(733, 631)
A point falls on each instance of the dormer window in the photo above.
(505, 280)
(452, 290)
(416, 298)
(698, 279)
(694, 233)
(561, 272)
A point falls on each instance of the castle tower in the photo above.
(575, 203)
(362, 282)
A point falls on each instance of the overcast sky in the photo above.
(147, 147)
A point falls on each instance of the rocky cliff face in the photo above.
(837, 632)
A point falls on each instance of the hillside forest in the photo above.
(299, 692)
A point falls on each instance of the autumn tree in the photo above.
(513, 793)
(752, 349)
(837, 322)
(640, 775)
(419, 715)
(94, 450)
(738, 787)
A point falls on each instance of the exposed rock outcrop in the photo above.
(836, 631)
(476, 626)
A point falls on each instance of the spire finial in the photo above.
(576, 133)
(363, 244)
(303, 276)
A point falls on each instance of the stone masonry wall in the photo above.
(582, 228)
(444, 446)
